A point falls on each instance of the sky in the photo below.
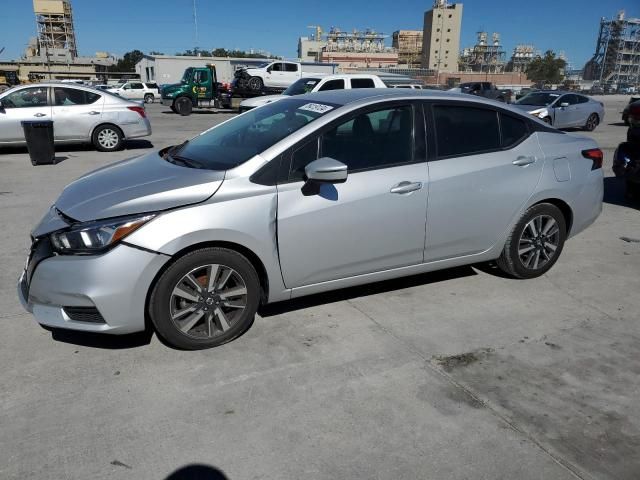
(118, 26)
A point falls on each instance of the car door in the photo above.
(485, 167)
(203, 84)
(136, 91)
(583, 110)
(375, 220)
(75, 113)
(30, 103)
(566, 116)
(290, 73)
(274, 75)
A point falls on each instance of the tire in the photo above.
(107, 138)
(173, 109)
(183, 106)
(149, 98)
(547, 120)
(592, 122)
(524, 252)
(189, 315)
(256, 84)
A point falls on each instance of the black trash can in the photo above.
(39, 137)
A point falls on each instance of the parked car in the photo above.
(276, 75)
(563, 109)
(483, 89)
(317, 84)
(625, 112)
(80, 115)
(626, 160)
(596, 90)
(148, 92)
(308, 194)
(412, 86)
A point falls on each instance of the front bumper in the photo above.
(115, 283)
(167, 102)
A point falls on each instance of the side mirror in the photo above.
(326, 170)
(564, 104)
(269, 68)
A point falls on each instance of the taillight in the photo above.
(140, 111)
(595, 155)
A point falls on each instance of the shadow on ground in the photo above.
(101, 340)
(197, 472)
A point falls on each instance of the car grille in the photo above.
(84, 314)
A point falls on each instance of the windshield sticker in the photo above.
(316, 107)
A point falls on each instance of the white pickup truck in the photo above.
(317, 83)
(277, 74)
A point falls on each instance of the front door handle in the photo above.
(406, 187)
(94, 113)
(40, 115)
(524, 161)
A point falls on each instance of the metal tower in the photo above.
(54, 21)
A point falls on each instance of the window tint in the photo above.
(570, 99)
(72, 96)
(372, 140)
(290, 67)
(465, 130)
(276, 67)
(151, 85)
(362, 83)
(27, 97)
(137, 86)
(302, 157)
(582, 99)
(513, 130)
(332, 85)
(201, 76)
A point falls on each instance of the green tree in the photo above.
(128, 62)
(153, 52)
(546, 69)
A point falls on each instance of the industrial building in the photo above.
(309, 48)
(358, 49)
(521, 58)
(441, 37)
(484, 56)
(53, 54)
(616, 61)
(408, 44)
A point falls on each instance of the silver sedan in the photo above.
(80, 115)
(308, 194)
(563, 109)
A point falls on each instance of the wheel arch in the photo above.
(103, 124)
(564, 207)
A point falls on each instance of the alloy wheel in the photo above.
(108, 138)
(592, 122)
(538, 242)
(208, 301)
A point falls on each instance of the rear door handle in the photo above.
(406, 187)
(94, 113)
(524, 161)
(40, 115)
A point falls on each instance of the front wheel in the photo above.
(206, 298)
(183, 106)
(535, 243)
(592, 123)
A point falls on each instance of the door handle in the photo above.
(406, 187)
(40, 115)
(524, 161)
(94, 113)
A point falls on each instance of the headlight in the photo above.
(95, 237)
(167, 94)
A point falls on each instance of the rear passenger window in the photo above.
(362, 83)
(513, 130)
(465, 130)
(71, 96)
(332, 85)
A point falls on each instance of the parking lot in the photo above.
(459, 374)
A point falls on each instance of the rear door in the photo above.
(355, 82)
(23, 104)
(290, 72)
(486, 165)
(372, 222)
(75, 113)
(335, 84)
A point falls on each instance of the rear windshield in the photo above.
(241, 138)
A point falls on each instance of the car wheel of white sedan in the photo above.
(592, 122)
(107, 138)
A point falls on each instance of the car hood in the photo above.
(172, 87)
(528, 108)
(259, 101)
(139, 185)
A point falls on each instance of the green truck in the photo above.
(199, 88)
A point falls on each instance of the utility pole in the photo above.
(195, 22)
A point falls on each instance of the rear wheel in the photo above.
(107, 138)
(206, 298)
(183, 106)
(535, 243)
(149, 98)
(592, 122)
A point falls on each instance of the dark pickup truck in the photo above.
(486, 90)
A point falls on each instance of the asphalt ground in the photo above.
(459, 374)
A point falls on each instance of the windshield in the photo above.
(538, 99)
(241, 138)
(302, 86)
(186, 78)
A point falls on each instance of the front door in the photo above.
(23, 104)
(566, 116)
(202, 84)
(75, 113)
(374, 221)
(486, 167)
(275, 78)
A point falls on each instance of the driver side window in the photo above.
(27, 97)
(276, 67)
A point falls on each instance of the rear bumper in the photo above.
(587, 206)
(115, 284)
(142, 128)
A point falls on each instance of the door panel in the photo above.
(351, 228)
(75, 113)
(20, 105)
(474, 199)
